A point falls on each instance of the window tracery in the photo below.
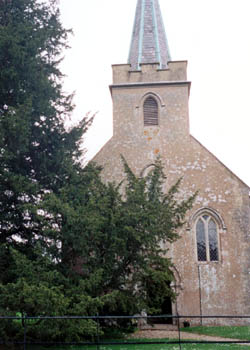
(207, 239)
(207, 225)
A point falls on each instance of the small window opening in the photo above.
(150, 111)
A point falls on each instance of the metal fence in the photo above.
(178, 320)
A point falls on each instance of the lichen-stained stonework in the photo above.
(211, 288)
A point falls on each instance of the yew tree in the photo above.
(116, 238)
(38, 157)
(37, 153)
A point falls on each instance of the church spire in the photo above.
(149, 42)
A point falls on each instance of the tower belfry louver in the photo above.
(149, 41)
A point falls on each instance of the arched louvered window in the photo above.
(150, 111)
(207, 239)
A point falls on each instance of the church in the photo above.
(150, 97)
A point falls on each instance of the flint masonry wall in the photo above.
(223, 286)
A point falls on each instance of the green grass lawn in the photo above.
(190, 346)
(152, 347)
(241, 332)
(234, 332)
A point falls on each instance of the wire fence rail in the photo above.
(97, 342)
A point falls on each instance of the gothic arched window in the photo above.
(150, 111)
(207, 238)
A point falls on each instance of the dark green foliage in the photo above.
(117, 238)
(38, 156)
(36, 287)
(36, 151)
(111, 257)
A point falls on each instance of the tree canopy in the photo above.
(112, 257)
(37, 153)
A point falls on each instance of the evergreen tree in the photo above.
(38, 157)
(115, 238)
(37, 153)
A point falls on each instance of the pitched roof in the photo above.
(149, 42)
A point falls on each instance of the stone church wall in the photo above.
(211, 288)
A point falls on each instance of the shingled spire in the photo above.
(149, 42)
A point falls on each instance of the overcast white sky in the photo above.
(213, 35)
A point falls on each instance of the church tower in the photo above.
(150, 97)
(150, 93)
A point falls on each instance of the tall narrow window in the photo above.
(207, 239)
(150, 111)
(213, 240)
(201, 241)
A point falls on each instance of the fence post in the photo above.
(199, 278)
(179, 330)
(97, 331)
(24, 331)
